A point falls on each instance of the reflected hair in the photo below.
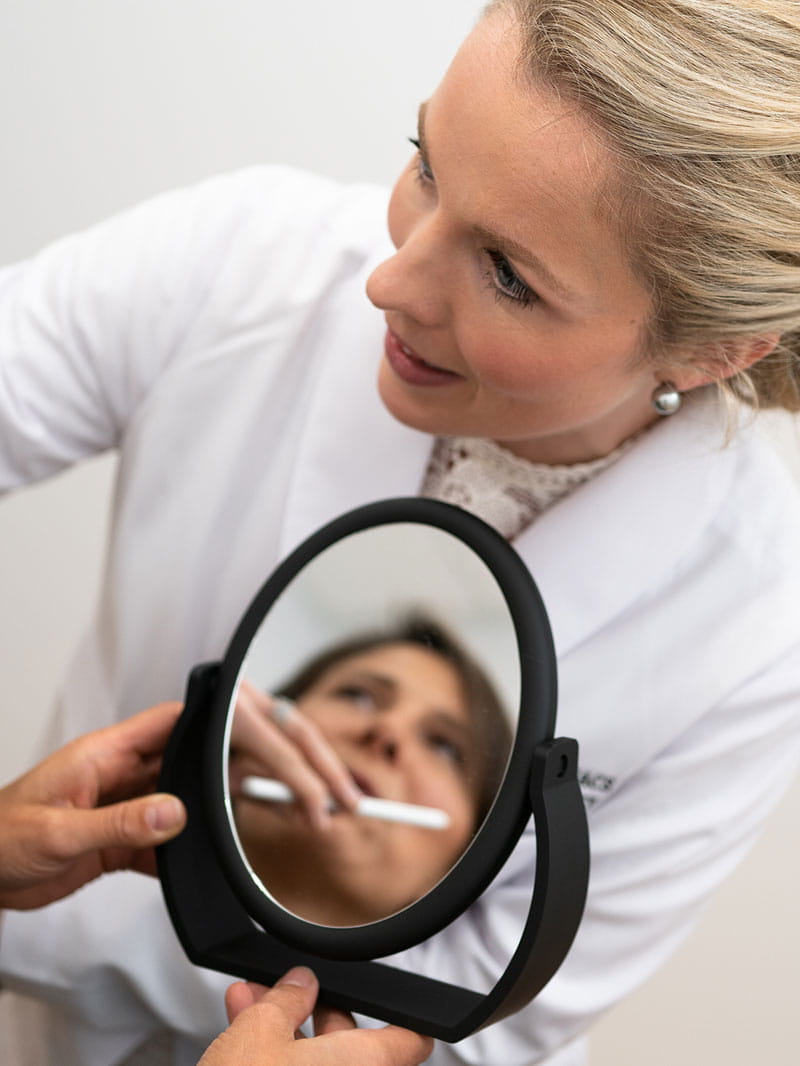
(698, 102)
(491, 731)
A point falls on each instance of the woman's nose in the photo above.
(409, 282)
(384, 740)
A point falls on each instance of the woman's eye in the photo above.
(424, 172)
(506, 283)
(356, 696)
(448, 750)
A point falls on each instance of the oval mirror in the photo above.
(389, 663)
(389, 647)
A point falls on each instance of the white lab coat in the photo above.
(220, 339)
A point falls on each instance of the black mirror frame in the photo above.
(215, 904)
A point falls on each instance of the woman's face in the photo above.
(396, 717)
(512, 311)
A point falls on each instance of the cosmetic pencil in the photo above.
(265, 788)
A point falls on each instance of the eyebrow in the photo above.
(390, 687)
(505, 245)
(382, 681)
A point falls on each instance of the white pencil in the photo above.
(264, 788)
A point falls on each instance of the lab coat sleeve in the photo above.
(92, 323)
(660, 846)
(84, 327)
(108, 960)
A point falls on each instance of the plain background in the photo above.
(104, 102)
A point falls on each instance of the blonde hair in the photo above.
(699, 102)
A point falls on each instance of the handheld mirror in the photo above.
(404, 650)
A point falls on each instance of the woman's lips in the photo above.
(411, 367)
(363, 783)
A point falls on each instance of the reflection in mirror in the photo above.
(371, 725)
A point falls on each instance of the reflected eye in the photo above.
(424, 172)
(447, 749)
(506, 282)
(357, 696)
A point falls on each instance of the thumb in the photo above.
(294, 995)
(138, 823)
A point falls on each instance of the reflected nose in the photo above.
(384, 739)
(409, 282)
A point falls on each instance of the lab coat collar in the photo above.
(591, 554)
(620, 536)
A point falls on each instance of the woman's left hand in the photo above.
(74, 817)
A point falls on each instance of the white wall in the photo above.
(103, 102)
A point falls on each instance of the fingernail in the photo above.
(300, 976)
(164, 813)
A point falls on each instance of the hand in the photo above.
(265, 1024)
(294, 752)
(72, 817)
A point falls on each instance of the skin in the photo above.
(294, 751)
(265, 1023)
(395, 718)
(554, 376)
(86, 810)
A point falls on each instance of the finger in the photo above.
(139, 823)
(127, 756)
(393, 1046)
(294, 996)
(324, 760)
(258, 740)
(253, 732)
(258, 727)
(330, 1020)
(240, 996)
(148, 731)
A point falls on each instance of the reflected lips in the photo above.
(411, 367)
(363, 784)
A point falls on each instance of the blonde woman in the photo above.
(590, 290)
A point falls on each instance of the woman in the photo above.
(404, 715)
(593, 234)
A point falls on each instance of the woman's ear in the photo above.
(718, 360)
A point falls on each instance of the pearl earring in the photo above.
(666, 399)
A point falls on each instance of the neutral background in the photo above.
(103, 102)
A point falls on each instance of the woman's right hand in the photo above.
(264, 1031)
(292, 750)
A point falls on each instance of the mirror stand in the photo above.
(217, 932)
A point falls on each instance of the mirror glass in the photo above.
(390, 662)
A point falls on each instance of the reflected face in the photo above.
(512, 311)
(397, 719)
